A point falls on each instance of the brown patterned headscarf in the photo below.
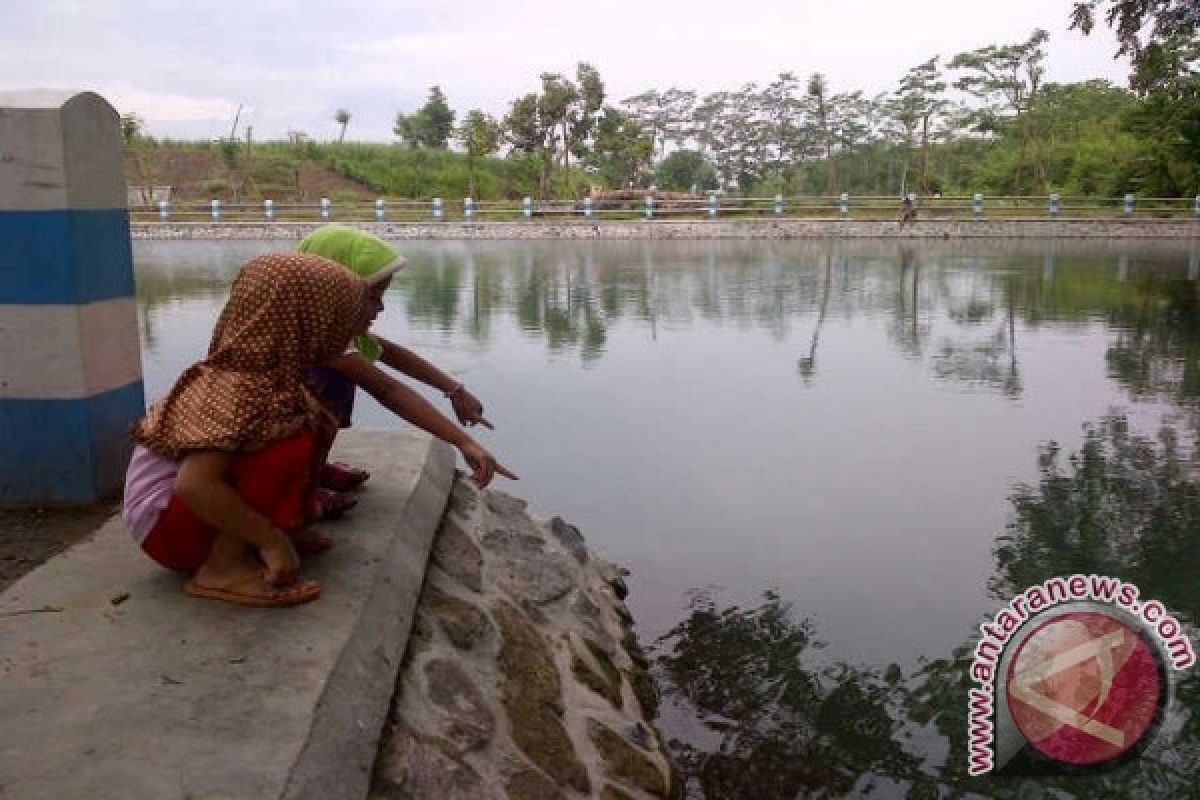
(286, 313)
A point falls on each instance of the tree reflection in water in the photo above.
(1124, 505)
(787, 727)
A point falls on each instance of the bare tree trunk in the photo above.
(925, 155)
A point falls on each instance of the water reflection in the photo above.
(946, 305)
(786, 726)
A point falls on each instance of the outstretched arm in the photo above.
(467, 407)
(408, 404)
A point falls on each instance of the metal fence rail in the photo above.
(650, 206)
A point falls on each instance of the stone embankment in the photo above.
(523, 678)
(1008, 228)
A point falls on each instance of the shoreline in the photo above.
(810, 228)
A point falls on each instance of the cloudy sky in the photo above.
(186, 67)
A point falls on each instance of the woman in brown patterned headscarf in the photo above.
(223, 468)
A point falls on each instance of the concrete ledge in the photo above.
(763, 228)
(162, 696)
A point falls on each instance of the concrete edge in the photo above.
(339, 755)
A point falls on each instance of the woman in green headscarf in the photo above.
(376, 261)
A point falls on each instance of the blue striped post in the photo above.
(587, 206)
(269, 209)
(1054, 205)
(649, 206)
(779, 205)
(468, 207)
(215, 206)
(70, 363)
(844, 203)
(712, 206)
(977, 204)
(1196, 208)
(379, 209)
(437, 208)
(1129, 205)
(324, 208)
(527, 207)
(164, 210)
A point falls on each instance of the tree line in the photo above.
(981, 120)
(984, 120)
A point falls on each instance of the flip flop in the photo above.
(330, 505)
(342, 477)
(297, 593)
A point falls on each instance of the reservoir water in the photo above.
(822, 462)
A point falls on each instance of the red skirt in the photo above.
(275, 481)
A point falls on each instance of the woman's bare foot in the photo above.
(232, 573)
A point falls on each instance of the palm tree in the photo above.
(342, 117)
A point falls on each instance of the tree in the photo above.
(438, 120)
(1006, 78)
(822, 126)
(685, 169)
(407, 128)
(666, 115)
(1140, 23)
(431, 125)
(921, 97)
(131, 127)
(622, 148)
(528, 132)
(479, 135)
(342, 117)
(582, 118)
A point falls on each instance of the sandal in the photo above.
(342, 477)
(330, 505)
(297, 593)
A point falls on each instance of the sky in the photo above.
(185, 68)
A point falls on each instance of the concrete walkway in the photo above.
(114, 684)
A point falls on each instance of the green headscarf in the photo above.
(363, 253)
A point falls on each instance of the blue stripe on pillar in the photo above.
(66, 452)
(65, 257)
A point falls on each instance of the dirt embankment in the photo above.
(199, 175)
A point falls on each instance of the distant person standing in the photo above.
(908, 210)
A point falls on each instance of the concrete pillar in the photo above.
(779, 205)
(269, 209)
(527, 207)
(649, 206)
(844, 203)
(712, 206)
(70, 362)
(325, 208)
(1054, 205)
(380, 205)
(468, 207)
(164, 210)
(437, 208)
(215, 205)
(587, 207)
(977, 204)
(1129, 205)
